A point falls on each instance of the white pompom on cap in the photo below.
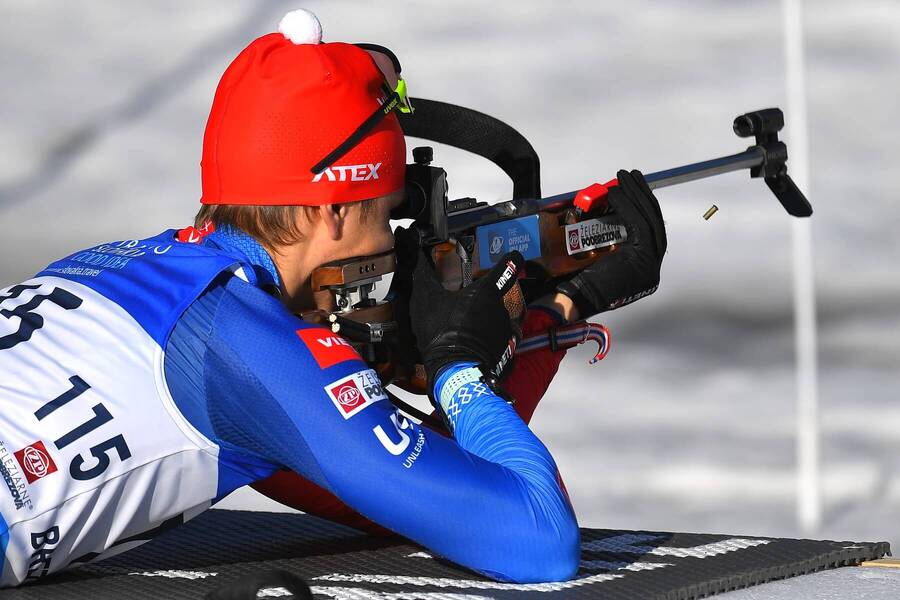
(301, 27)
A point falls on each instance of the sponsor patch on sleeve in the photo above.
(327, 348)
(355, 392)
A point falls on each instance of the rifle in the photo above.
(558, 235)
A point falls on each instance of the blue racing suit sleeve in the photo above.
(490, 500)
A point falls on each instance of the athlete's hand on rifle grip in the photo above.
(632, 272)
(480, 323)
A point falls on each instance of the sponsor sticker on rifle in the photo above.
(326, 347)
(355, 392)
(35, 461)
(495, 240)
(592, 234)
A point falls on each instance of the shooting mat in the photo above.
(219, 548)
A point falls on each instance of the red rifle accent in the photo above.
(593, 197)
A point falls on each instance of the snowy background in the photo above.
(688, 425)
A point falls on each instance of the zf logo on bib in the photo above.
(35, 461)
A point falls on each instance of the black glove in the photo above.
(480, 323)
(632, 272)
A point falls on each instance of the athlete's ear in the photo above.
(333, 216)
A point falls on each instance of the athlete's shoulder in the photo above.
(153, 279)
(117, 255)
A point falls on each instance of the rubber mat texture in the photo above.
(219, 548)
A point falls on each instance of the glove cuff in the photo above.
(447, 384)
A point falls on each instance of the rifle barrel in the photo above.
(479, 215)
(752, 157)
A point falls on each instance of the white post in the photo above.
(809, 501)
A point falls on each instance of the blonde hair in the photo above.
(271, 226)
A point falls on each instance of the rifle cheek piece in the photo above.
(359, 318)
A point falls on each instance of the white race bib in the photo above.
(92, 449)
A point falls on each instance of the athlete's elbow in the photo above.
(558, 553)
(550, 553)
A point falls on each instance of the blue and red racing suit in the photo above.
(141, 381)
(532, 373)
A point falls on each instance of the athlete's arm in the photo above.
(527, 383)
(300, 493)
(489, 500)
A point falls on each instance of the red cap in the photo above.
(280, 108)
